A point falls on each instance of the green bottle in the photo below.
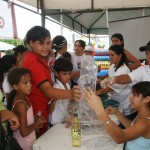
(76, 130)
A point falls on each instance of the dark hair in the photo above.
(142, 88)
(19, 49)
(119, 50)
(36, 33)
(58, 43)
(120, 37)
(82, 43)
(14, 77)
(6, 62)
(61, 64)
(67, 56)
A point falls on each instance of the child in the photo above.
(39, 40)
(59, 45)
(137, 133)
(6, 63)
(63, 70)
(20, 80)
(19, 52)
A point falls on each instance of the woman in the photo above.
(117, 39)
(119, 92)
(76, 58)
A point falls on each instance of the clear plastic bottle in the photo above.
(76, 130)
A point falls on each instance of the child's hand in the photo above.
(110, 110)
(93, 101)
(76, 93)
(69, 121)
(42, 119)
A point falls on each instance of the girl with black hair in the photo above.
(6, 63)
(117, 39)
(59, 46)
(119, 92)
(39, 40)
(137, 132)
(20, 80)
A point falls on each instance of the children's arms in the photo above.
(119, 135)
(21, 109)
(55, 93)
(11, 117)
(103, 91)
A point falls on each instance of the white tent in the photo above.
(90, 16)
(5, 46)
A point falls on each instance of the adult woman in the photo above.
(76, 58)
(39, 40)
(117, 39)
(119, 92)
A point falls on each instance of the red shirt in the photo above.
(40, 72)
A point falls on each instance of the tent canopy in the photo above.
(91, 16)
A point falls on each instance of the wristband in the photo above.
(107, 122)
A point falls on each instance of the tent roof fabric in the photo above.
(92, 16)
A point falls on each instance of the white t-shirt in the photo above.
(140, 74)
(76, 62)
(121, 92)
(60, 112)
(6, 87)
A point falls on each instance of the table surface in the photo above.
(59, 138)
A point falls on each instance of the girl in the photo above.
(39, 40)
(20, 80)
(117, 39)
(137, 133)
(6, 62)
(59, 46)
(119, 92)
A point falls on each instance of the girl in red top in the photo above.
(39, 40)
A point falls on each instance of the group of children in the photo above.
(34, 95)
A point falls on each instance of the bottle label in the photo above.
(76, 134)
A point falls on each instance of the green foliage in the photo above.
(14, 42)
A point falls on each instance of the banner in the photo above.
(6, 24)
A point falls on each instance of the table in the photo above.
(59, 138)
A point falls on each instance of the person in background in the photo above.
(76, 58)
(6, 63)
(20, 80)
(67, 56)
(140, 74)
(89, 54)
(59, 45)
(39, 40)
(137, 132)
(63, 69)
(19, 52)
(88, 50)
(2, 107)
(121, 93)
(117, 39)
